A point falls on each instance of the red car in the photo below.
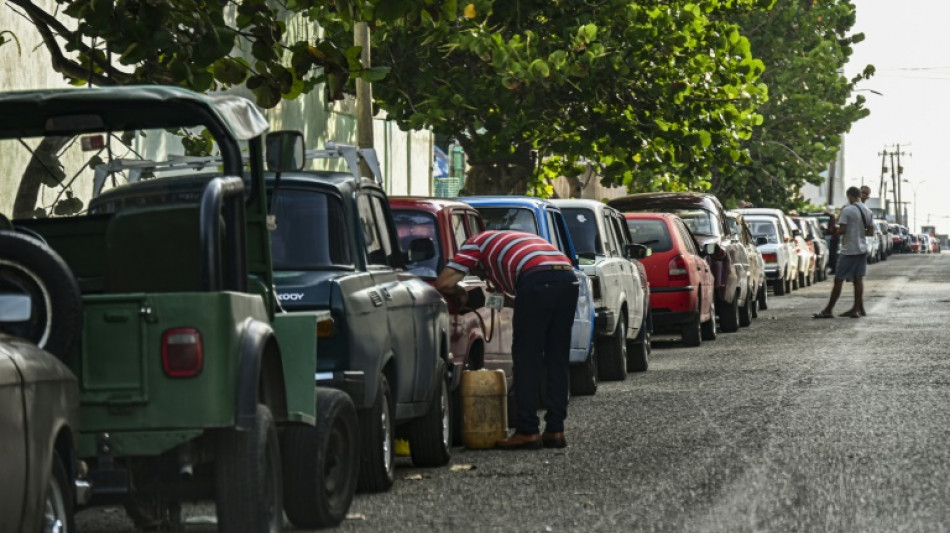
(480, 338)
(681, 282)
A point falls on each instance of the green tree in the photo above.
(654, 94)
(804, 45)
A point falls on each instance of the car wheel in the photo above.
(430, 436)
(779, 287)
(729, 315)
(321, 463)
(763, 299)
(691, 330)
(801, 281)
(707, 329)
(153, 513)
(248, 477)
(638, 350)
(584, 375)
(58, 507)
(30, 267)
(376, 442)
(745, 312)
(613, 353)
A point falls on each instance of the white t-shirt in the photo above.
(853, 241)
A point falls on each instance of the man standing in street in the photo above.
(852, 224)
(544, 286)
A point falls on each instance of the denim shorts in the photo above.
(850, 266)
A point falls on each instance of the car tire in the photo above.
(729, 315)
(321, 463)
(638, 350)
(779, 287)
(58, 507)
(763, 297)
(247, 477)
(613, 353)
(29, 266)
(584, 375)
(707, 330)
(691, 331)
(430, 436)
(377, 453)
(153, 513)
(745, 312)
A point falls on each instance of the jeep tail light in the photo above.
(770, 258)
(182, 352)
(678, 275)
(594, 287)
(326, 328)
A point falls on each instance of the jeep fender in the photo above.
(258, 340)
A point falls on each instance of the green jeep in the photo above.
(194, 383)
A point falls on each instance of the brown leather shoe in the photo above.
(553, 440)
(520, 441)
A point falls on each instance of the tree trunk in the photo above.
(44, 168)
(512, 176)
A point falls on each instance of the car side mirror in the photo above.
(285, 151)
(636, 251)
(421, 249)
(796, 232)
(759, 241)
(15, 308)
(711, 248)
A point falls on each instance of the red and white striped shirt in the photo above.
(506, 254)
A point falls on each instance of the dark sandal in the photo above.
(851, 314)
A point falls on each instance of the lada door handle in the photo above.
(386, 293)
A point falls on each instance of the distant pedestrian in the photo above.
(852, 226)
(545, 289)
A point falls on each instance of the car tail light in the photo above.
(770, 258)
(326, 328)
(678, 275)
(182, 352)
(594, 287)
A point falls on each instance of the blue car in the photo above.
(541, 217)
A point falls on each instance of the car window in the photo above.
(688, 240)
(509, 218)
(699, 221)
(375, 245)
(475, 224)
(764, 228)
(582, 224)
(650, 233)
(458, 230)
(309, 224)
(620, 229)
(414, 224)
(555, 236)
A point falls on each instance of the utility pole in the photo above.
(897, 205)
(364, 97)
(880, 186)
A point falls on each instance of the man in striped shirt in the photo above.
(545, 287)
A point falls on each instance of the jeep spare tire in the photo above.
(30, 267)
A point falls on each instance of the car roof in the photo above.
(650, 200)
(505, 200)
(432, 205)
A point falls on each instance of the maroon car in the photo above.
(480, 338)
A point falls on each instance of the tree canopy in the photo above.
(804, 45)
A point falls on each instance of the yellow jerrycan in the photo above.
(484, 408)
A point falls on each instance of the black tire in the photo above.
(612, 352)
(430, 436)
(745, 312)
(779, 287)
(28, 266)
(638, 350)
(763, 297)
(729, 316)
(377, 454)
(58, 507)
(584, 375)
(248, 487)
(707, 329)
(321, 463)
(153, 513)
(691, 331)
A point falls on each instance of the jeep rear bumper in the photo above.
(604, 320)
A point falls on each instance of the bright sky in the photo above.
(908, 43)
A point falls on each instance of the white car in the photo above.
(778, 251)
(605, 252)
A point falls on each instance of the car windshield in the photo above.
(307, 236)
(582, 224)
(411, 225)
(509, 218)
(698, 221)
(651, 233)
(763, 228)
(61, 175)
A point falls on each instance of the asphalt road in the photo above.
(791, 424)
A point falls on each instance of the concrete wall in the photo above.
(406, 157)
